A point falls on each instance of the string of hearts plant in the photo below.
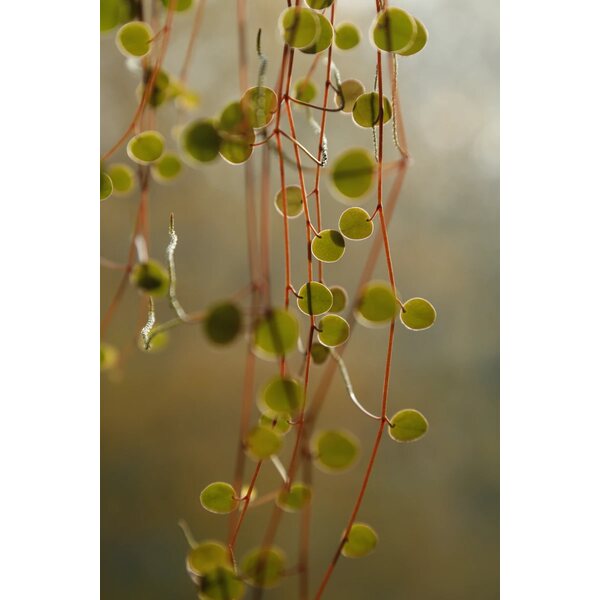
(297, 323)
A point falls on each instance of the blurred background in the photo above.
(170, 420)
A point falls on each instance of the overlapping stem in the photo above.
(258, 257)
(252, 244)
(388, 362)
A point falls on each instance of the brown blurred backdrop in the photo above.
(169, 420)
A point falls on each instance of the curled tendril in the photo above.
(394, 108)
(262, 67)
(375, 145)
(145, 333)
(317, 129)
(175, 305)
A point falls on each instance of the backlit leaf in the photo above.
(146, 147)
(299, 26)
(122, 176)
(221, 584)
(293, 197)
(365, 112)
(377, 304)
(361, 541)
(259, 104)
(351, 89)
(334, 330)
(276, 334)
(408, 425)
(329, 246)
(219, 497)
(283, 394)
(419, 42)
(347, 36)
(135, 39)
(324, 37)
(298, 496)
(352, 173)
(262, 442)
(314, 298)
(394, 30)
(264, 567)
(335, 450)
(355, 224)
(340, 298)
(418, 314)
(200, 141)
(223, 322)
(150, 277)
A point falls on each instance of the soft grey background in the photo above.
(169, 421)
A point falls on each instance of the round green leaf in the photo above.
(160, 88)
(298, 496)
(122, 176)
(394, 30)
(109, 356)
(106, 185)
(352, 173)
(355, 224)
(221, 584)
(408, 425)
(319, 353)
(329, 247)
(282, 395)
(113, 12)
(293, 195)
(259, 104)
(319, 4)
(335, 450)
(299, 27)
(237, 135)
(207, 556)
(365, 112)
(324, 37)
(340, 298)
(351, 89)
(233, 119)
(167, 167)
(262, 443)
(314, 298)
(180, 5)
(305, 90)
(264, 567)
(418, 314)
(377, 304)
(223, 323)
(419, 42)
(279, 423)
(150, 277)
(200, 141)
(334, 330)
(146, 147)
(219, 497)
(347, 36)
(236, 149)
(135, 39)
(276, 334)
(361, 541)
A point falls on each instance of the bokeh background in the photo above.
(170, 420)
